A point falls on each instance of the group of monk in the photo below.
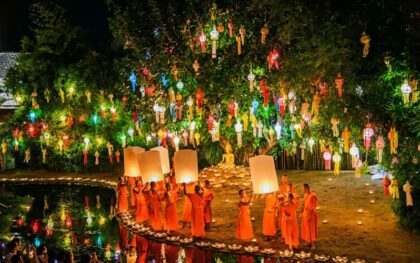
(280, 210)
(150, 198)
(285, 205)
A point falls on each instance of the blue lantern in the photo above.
(37, 242)
(32, 116)
(133, 81)
(99, 241)
(255, 107)
(180, 85)
(165, 81)
(172, 110)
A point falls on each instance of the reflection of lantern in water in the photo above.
(164, 158)
(150, 166)
(186, 166)
(368, 133)
(131, 164)
(263, 174)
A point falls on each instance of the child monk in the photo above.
(282, 198)
(290, 229)
(244, 230)
(171, 197)
(154, 202)
(122, 195)
(208, 197)
(197, 211)
(309, 217)
(186, 211)
(142, 214)
(269, 220)
(132, 184)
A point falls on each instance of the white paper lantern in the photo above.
(150, 166)
(131, 164)
(186, 166)
(263, 174)
(164, 158)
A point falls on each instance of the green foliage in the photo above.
(11, 206)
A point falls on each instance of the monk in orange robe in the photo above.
(142, 213)
(171, 197)
(208, 197)
(123, 236)
(244, 230)
(154, 202)
(290, 228)
(141, 246)
(197, 211)
(122, 195)
(284, 184)
(309, 217)
(186, 211)
(282, 198)
(269, 220)
(132, 184)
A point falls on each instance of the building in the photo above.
(7, 103)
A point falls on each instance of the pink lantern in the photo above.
(150, 166)
(368, 133)
(263, 174)
(186, 166)
(327, 159)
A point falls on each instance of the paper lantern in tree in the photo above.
(186, 166)
(339, 81)
(393, 140)
(277, 128)
(238, 130)
(199, 98)
(413, 85)
(263, 174)
(251, 79)
(345, 135)
(68, 222)
(365, 40)
(255, 107)
(164, 158)
(311, 143)
(131, 164)
(150, 166)
(202, 39)
(272, 59)
(32, 116)
(380, 145)
(176, 142)
(242, 33)
(230, 26)
(133, 80)
(264, 33)
(354, 152)
(336, 159)
(368, 133)
(406, 90)
(36, 226)
(327, 159)
(335, 122)
(191, 133)
(239, 44)
(213, 36)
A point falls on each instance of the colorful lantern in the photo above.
(263, 174)
(32, 116)
(230, 26)
(277, 128)
(186, 166)
(255, 107)
(393, 140)
(380, 145)
(336, 159)
(339, 81)
(327, 159)
(202, 39)
(311, 143)
(272, 59)
(164, 158)
(354, 152)
(251, 79)
(238, 130)
(335, 122)
(264, 33)
(36, 226)
(368, 133)
(133, 81)
(176, 142)
(242, 32)
(150, 166)
(68, 222)
(365, 40)
(406, 90)
(213, 36)
(345, 135)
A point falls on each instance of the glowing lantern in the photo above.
(89, 219)
(103, 112)
(123, 140)
(327, 159)
(186, 166)
(32, 116)
(213, 36)
(238, 130)
(71, 92)
(263, 174)
(345, 135)
(339, 81)
(130, 132)
(180, 85)
(251, 79)
(37, 242)
(406, 90)
(380, 145)
(36, 226)
(68, 223)
(150, 166)
(86, 141)
(199, 98)
(311, 143)
(164, 158)
(133, 81)
(354, 152)
(277, 128)
(368, 133)
(101, 220)
(255, 107)
(202, 39)
(63, 215)
(31, 130)
(131, 164)
(113, 114)
(176, 142)
(336, 160)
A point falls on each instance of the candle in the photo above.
(359, 222)
(372, 201)
(360, 210)
(367, 184)
(325, 221)
(370, 192)
(329, 179)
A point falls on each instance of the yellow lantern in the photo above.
(150, 166)
(164, 158)
(186, 166)
(263, 174)
(131, 164)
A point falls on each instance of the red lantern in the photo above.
(65, 140)
(202, 39)
(199, 97)
(368, 133)
(36, 226)
(69, 223)
(339, 81)
(210, 122)
(31, 131)
(150, 91)
(232, 108)
(146, 72)
(266, 97)
(49, 232)
(230, 26)
(124, 100)
(282, 104)
(19, 221)
(323, 89)
(70, 121)
(272, 59)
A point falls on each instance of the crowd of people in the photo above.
(156, 204)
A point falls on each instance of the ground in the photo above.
(378, 238)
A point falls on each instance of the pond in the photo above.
(82, 219)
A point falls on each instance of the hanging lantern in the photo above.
(230, 26)
(336, 160)
(238, 130)
(180, 85)
(176, 142)
(202, 39)
(113, 114)
(345, 135)
(406, 90)
(68, 222)
(311, 143)
(186, 166)
(251, 79)
(354, 152)
(368, 133)
(277, 128)
(264, 33)
(339, 81)
(263, 174)
(150, 166)
(32, 116)
(86, 142)
(131, 164)
(31, 130)
(327, 159)
(272, 59)
(133, 81)
(365, 40)
(380, 145)
(255, 107)
(130, 132)
(196, 66)
(36, 226)
(199, 97)
(164, 158)
(37, 241)
(213, 36)
(71, 91)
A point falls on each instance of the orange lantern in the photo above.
(131, 164)
(150, 166)
(263, 174)
(164, 158)
(186, 166)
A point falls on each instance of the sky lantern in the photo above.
(150, 166)
(263, 174)
(186, 166)
(131, 164)
(368, 133)
(164, 158)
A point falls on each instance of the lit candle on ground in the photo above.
(253, 218)
(360, 210)
(325, 221)
(359, 222)
(213, 221)
(329, 179)
(227, 201)
(254, 240)
(372, 201)
(367, 184)
(371, 192)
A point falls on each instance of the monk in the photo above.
(309, 217)
(171, 197)
(269, 220)
(197, 211)
(141, 246)
(122, 195)
(142, 214)
(132, 184)
(154, 202)
(186, 211)
(284, 184)
(208, 197)
(244, 230)
(290, 228)
(282, 198)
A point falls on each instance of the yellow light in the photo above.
(71, 90)
(102, 220)
(99, 141)
(18, 99)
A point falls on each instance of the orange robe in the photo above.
(122, 198)
(154, 212)
(244, 259)
(269, 219)
(197, 215)
(186, 212)
(208, 197)
(244, 230)
(132, 183)
(141, 246)
(171, 253)
(123, 236)
(281, 212)
(170, 211)
(142, 214)
(290, 225)
(310, 223)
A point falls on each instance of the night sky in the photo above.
(14, 20)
